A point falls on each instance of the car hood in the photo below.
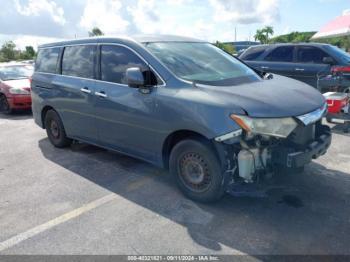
(20, 83)
(278, 97)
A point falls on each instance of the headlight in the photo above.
(18, 91)
(279, 127)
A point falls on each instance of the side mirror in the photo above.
(328, 60)
(134, 77)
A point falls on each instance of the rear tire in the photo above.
(4, 105)
(197, 170)
(55, 130)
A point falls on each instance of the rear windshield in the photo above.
(15, 72)
(202, 63)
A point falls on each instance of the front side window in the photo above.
(79, 61)
(310, 54)
(202, 63)
(281, 54)
(115, 60)
(46, 61)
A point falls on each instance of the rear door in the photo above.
(280, 60)
(75, 88)
(309, 64)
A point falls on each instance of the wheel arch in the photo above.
(43, 114)
(2, 94)
(180, 135)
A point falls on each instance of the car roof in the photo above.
(136, 38)
(289, 44)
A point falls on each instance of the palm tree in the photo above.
(96, 32)
(260, 36)
(268, 30)
(263, 35)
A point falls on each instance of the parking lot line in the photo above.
(56, 221)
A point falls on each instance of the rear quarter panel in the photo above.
(42, 95)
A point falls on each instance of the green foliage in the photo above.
(263, 35)
(95, 32)
(30, 51)
(260, 36)
(305, 37)
(294, 37)
(8, 52)
(342, 42)
(228, 48)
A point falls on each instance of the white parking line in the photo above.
(56, 221)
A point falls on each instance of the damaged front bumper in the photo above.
(295, 157)
(249, 159)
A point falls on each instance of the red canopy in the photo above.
(337, 27)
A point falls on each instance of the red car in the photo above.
(15, 87)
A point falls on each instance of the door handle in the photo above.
(265, 67)
(299, 69)
(85, 90)
(101, 94)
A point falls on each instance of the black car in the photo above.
(304, 62)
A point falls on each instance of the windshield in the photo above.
(15, 72)
(202, 63)
(340, 53)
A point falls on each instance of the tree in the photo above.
(293, 37)
(95, 32)
(8, 51)
(260, 36)
(268, 30)
(30, 51)
(263, 35)
(228, 48)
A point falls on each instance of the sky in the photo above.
(34, 22)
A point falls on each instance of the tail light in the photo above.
(341, 69)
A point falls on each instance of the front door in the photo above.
(309, 64)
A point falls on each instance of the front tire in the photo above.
(55, 130)
(197, 170)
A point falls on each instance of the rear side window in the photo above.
(46, 61)
(252, 53)
(115, 60)
(281, 54)
(79, 61)
(310, 54)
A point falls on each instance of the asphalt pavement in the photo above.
(87, 200)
